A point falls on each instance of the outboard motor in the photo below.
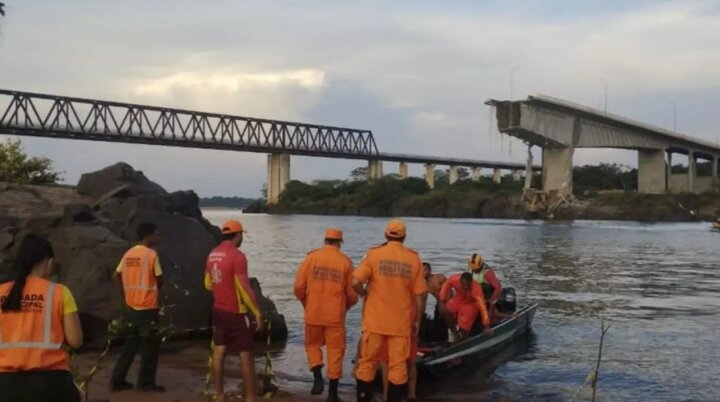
(507, 303)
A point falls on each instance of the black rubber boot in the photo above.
(364, 391)
(397, 393)
(333, 392)
(318, 385)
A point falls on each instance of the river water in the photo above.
(657, 285)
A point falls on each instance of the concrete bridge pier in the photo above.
(651, 171)
(375, 169)
(278, 176)
(475, 175)
(715, 170)
(668, 172)
(430, 174)
(516, 175)
(403, 170)
(453, 174)
(557, 171)
(691, 173)
(497, 176)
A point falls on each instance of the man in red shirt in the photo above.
(226, 276)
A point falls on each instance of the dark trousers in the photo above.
(143, 337)
(34, 386)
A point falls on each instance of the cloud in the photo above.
(416, 74)
(228, 82)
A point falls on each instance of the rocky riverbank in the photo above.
(93, 224)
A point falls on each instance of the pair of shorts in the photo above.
(383, 357)
(464, 312)
(233, 331)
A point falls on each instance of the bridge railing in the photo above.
(24, 113)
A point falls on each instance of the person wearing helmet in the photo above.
(485, 277)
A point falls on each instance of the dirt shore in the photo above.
(182, 369)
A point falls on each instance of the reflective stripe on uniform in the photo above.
(47, 323)
(144, 277)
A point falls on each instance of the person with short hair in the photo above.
(37, 317)
(434, 281)
(461, 299)
(226, 275)
(140, 275)
(323, 285)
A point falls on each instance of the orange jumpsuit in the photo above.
(465, 304)
(324, 286)
(394, 277)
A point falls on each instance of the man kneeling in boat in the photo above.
(462, 308)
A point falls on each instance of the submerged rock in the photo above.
(92, 226)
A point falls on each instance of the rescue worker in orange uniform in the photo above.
(140, 275)
(324, 287)
(462, 309)
(395, 285)
(37, 316)
(226, 275)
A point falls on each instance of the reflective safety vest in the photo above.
(32, 338)
(479, 276)
(138, 276)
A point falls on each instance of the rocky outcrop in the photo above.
(92, 226)
(98, 184)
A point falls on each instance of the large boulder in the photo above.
(276, 326)
(120, 175)
(91, 231)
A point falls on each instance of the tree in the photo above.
(463, 173)
(604, 176)
(17, 167)
(359, 173)
(2, 9)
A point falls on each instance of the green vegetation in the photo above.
(391, 195)
(17, 167)
(592, 178)
(227, 202)
(605, 191)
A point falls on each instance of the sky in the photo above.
(416, 73)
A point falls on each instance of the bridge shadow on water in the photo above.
(478, 380)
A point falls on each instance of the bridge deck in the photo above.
(42, 115)
(616, 129)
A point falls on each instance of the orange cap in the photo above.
(395, 229)
(232, 226)
(334, 234)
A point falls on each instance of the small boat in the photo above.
(438, 361)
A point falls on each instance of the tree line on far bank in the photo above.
(390, 195)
